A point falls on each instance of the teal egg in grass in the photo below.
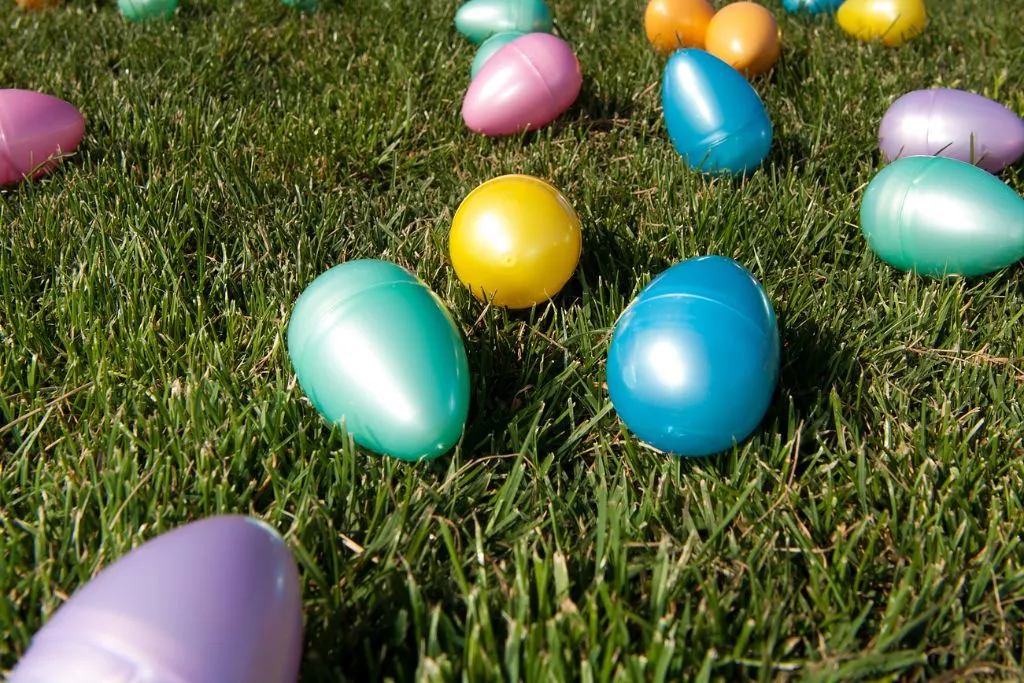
(939, 216)
(489, 47)
(146, 10)
(375, 350)
(478, 20)
(305, 5)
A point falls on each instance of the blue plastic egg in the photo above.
(812, 6)
(715, 118)
(694, 359)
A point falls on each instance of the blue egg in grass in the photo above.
(715, 118)
(694, 359)
(812, 6)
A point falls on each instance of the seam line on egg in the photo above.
(687, 295)
(535, 70)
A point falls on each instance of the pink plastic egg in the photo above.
(525, 85)
(35, 129)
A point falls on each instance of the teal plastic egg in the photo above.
(375, 350)
(939, 216)
(489, 47)
(146, 10)
(478, 20)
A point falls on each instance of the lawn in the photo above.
(870, 529)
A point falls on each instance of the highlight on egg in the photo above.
(745, 36)
(36, 131)
(147, 10)
(694, 359)
(715, 119)
(210, 601)
(378, 353)
(941, 217)
(890, 22)
(952, 123)
(674, 24)
(525, 85)
(515, 241)
(478, 20)
(812, 6)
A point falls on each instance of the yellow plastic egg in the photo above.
(894, 22)
(515, 241)
(746, 36)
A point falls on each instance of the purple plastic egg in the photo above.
(952, 123)
(213, 601)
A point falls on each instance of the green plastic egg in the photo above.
(146, 10)
(478, 20)
(939, 216)
(375, 350)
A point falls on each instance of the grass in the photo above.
(870, 529)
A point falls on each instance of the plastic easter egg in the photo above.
(515, 241)
(715, 119)
(952, 123)
(937, 216)
(147, 10)
(36, 130)
(812, 6)
(674, 24)
(524, 86)
(478, 20)
(304, 5)
(376, 351)
(489, 47)
(694, 359)
(746, 36)
(892, 22)
(32, 5)
(212, 601)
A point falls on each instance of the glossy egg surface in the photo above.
(694, 359)
(515, 241)
(746, 36)
(211, 601)
(714, 117)
(36, 130)
(938, 216)
(376, 351)
(952, 123)
(673, 24)
(891, 22)
(525, 85)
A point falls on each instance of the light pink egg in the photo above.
(526, 85)
(35, 130)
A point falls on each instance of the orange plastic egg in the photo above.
(674, 24)
(37, 4)
(746, 36)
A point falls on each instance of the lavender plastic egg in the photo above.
(951, 123)
(213, 601)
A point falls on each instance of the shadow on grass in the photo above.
(378, 641)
